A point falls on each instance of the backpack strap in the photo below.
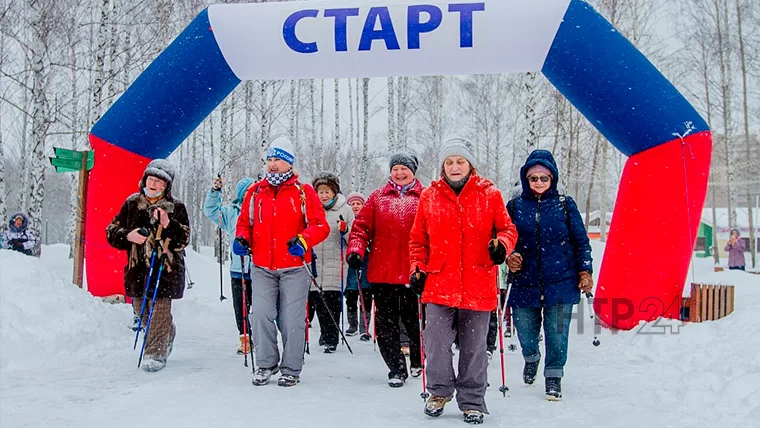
(563, 201)
(257, 188)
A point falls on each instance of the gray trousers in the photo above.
(442, 325)
(290, 287)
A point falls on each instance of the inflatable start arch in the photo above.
(622, 94)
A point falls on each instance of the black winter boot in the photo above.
(529, 371)
(353, 325)
(554, 388)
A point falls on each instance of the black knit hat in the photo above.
(408, 160)
(328, 179)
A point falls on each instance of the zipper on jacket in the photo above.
(538, 248)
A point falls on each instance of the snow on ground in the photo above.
(66, 359)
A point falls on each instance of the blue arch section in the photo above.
(172, 96)
(614, 85)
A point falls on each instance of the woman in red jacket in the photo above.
(383, 225)
(461, 234)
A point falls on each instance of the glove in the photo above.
(217, 186)
(354, 261)
(297, 246)
(497, 251)
(417, 281)
(514, 262)
(586, 282)
(240, 247)
(342, 226)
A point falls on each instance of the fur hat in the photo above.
(356, 196)
(160, 168)
(408, 160)
(328, 179)
(282, 148)
(458, 147)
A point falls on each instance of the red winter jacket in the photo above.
(383, 225)
(450, 239)
(274, 216)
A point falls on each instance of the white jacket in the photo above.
(329, 257)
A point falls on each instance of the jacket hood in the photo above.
(545, 159)
(24, 224)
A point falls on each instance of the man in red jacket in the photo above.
(282, 219)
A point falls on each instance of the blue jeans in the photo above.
(556, 322)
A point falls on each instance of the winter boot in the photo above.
(396, 381)
(288, 380)
(152, 363)
(554, 388)
(365, 337)
(474, 417)
(261, 376)
(353, 325)
(245, 345)
(530, 370)
(434, 405)
(415, 371)
(362, 316)
(330, 349)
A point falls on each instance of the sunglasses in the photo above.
(543, 178)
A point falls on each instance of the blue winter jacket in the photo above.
(552, 241)
(211, 209)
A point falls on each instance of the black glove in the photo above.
(417, 281)
(497, 251)
(354, 261)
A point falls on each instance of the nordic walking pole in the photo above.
(144, 232)
(361, 301)
(424, 395)
(161, 261)
(590, 296)
(374, 327)
(499, 313)
(306, 344)
(189, 279)
(221, 256)
(342, 262)
(324, 301)
(246, 332)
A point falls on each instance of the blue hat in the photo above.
(241, 188)
(282, 148)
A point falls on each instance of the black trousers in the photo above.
(352, 300)
(237, 302)
(394, 303)
(328, 329)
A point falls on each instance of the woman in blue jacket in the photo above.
(228, 215)
(550, 267)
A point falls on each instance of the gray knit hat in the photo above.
(458, 146)
(161, 168)
(408, 160)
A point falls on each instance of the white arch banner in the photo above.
(358, 38)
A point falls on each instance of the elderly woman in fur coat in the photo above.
(153, 212)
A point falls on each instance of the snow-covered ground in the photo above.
(66, 360)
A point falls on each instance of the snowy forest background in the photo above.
(64, 62)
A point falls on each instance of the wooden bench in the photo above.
(709, 302)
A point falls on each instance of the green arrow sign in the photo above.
(62, 169)
(66, 163)
(71, 154)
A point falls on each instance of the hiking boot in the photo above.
(554, 388)
(262, 375)
(434, 405)
(530, 370)
(365, 337)
(353, 325)
(415, 371)
(329, 349)
(288, 380)
(245, 345)
(474, 417)
(396, 381)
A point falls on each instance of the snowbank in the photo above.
(45, 318)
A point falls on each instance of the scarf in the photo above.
(402, 189)
(458, 185)
(275, 179)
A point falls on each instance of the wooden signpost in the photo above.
(82, 162)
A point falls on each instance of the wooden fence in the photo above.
(710, 302)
